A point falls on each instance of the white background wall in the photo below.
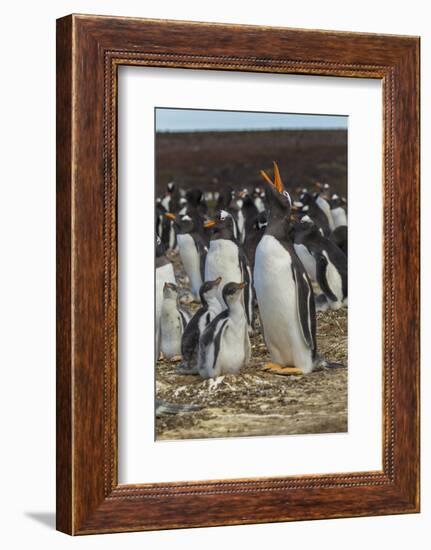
(27, 239)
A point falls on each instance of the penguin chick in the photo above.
(164, 274)
(224, 347)
(172, 323)
(201, 319)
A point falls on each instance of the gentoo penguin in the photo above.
(170, 202)
(312, 209)
(164, 274)
(226, 259)
(196, 203)
(337, 211)
(330, 262)
(173, 321)
(224, 347)
(211, 307)
(192, 249)
(283, 290)
(254, 234)
(259, 199)
(238, 214)
(171, 198)
(227, 202)
(249, 211)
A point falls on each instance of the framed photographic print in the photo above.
(237, 274)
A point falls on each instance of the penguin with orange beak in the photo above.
(283, 290)
(226, 259)
(192, 249)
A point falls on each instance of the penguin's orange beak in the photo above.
(209, 223)
(241, 285)
(170, 216)
(277, 179)
(277, 183)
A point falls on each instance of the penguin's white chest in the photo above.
(191, 261)
(307, 260)
(334, 281)
(171, 329)
(233, 347)
(326, 209)
(164, 274)
(339, 216)
(277, 299)
(223, 261)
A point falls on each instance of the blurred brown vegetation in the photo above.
(211, 160)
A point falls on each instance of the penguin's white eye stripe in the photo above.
(286, 194)
(223, 214)
(186, 218)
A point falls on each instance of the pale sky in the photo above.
(177, 120)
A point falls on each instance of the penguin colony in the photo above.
(271, 253)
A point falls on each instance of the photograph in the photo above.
(251, 276)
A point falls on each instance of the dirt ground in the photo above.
(255, 402)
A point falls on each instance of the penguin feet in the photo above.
(274, 368)
(175, 359)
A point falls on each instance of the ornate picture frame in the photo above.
(89, 51)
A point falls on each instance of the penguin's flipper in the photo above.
(190, 337)
(202, 250)
(321, 265)
(305, 306)
(184, 318)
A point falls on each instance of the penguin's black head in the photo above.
(323, 189)
(305, 197)
(171, 187)
(194, 197)
(184, 223)
(335, 201)
(232, 292)
(224, 198)
(305, 228)
(278, 197)
(209, 290)
(223, 225)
